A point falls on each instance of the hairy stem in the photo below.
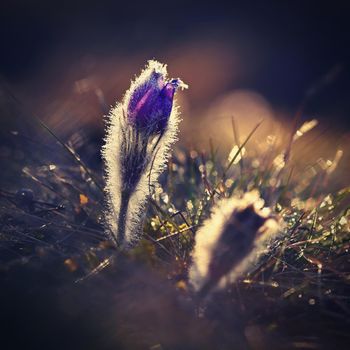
(124, 204)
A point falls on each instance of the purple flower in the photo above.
(140, 133)
(150, 103)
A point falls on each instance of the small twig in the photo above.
(177, 233)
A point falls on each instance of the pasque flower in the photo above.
(140, 133)
(230, 241)
(150, 104)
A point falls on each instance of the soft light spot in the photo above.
(312, 301)
(235, 155)
(83, 199)
(306, 127)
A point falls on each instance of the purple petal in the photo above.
(151, 104)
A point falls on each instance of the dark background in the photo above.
(299, 40)
(281, 50)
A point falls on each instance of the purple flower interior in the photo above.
(151, 103)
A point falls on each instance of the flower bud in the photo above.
(151, 99)
(229, 241)
(140, 133)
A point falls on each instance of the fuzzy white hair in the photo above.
(157, 155)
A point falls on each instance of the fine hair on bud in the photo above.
(230, 241)
(140, 132)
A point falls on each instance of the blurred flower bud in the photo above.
(229, 241)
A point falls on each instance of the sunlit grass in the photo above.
(308, 264)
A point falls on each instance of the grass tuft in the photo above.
(297, 293)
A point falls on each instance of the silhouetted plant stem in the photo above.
(124, 204)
